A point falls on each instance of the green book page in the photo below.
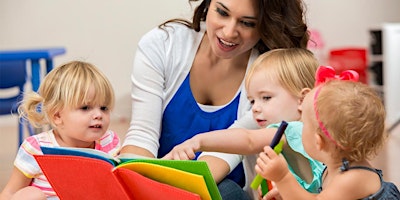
(191, 166)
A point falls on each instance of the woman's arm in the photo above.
(162, 62)
(147, 95)
(219, 168)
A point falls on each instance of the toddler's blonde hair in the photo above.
(66, 86)
(293, 68)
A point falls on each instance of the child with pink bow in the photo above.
(344, 127)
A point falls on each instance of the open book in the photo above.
(76, 173)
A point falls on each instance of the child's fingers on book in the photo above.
(167, 157)
(184, 155)
(178, 156)
(189, 155)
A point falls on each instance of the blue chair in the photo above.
(13, 76)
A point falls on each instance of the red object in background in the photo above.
(350, 58)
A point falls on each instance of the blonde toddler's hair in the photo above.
(66, 86)
(293, 68)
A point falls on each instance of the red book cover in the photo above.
(76, 173)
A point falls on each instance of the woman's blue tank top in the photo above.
(183, 118)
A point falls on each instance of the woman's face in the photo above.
(231, 27)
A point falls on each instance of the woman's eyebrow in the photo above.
(246, 17)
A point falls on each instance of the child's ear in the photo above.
(56, 118)
(319, 142)
(303, 93)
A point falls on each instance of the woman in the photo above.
(188, 76)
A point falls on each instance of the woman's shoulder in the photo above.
(169, 30)
(171, 45)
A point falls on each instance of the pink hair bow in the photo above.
(325, 73)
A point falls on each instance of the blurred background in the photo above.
(106, 33)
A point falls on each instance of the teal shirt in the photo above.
(293, 135)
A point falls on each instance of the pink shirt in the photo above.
(27, 164)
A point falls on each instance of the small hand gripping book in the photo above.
(78, 173)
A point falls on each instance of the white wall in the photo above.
(106, 32)
(391, 43)
(102, 32)
(346, 22)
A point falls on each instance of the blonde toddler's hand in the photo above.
(183, 151)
